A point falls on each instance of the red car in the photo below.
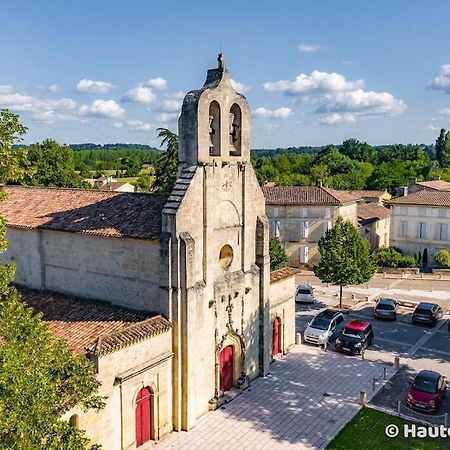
(426, 391)
(356, 337)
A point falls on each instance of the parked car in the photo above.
(426, 391)
(325, 327)
(304, 294)
(427, 314)
(386, 308)
(356, 337)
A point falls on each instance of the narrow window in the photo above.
(235, 131)
(214, 129)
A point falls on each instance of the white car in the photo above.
(325, 327)
(304, 294)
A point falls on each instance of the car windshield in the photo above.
(425, 385)
(424, 312)
(352, 333)
(304, 291)
(320, 324)
(385, 306)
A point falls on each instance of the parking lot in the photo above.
(418, 347)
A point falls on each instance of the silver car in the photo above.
(304, 294)
(386, 308)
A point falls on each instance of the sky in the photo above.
(314, 72)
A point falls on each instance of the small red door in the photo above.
(276, 336)
(226, 368)
(144, 419)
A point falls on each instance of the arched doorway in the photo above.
(226, 368)
(144, 416)
(276, 336)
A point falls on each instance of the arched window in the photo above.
(73, 421)
(276, 336)
(235, 130)
(144, 416)
(214, 129)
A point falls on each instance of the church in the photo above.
(170, 296)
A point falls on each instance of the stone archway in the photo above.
(230, 361)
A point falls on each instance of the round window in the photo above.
(225, 256)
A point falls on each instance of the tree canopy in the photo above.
(166, 165)
(278, 257)
(345, 258)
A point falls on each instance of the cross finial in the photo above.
(220, 61)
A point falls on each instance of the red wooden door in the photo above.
(226, 368)
(276, 336)
(144, 419)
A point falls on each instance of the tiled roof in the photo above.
(116, 214)
(313, 195)
(93, 327)
(281, 274)
(299, 195)
(438, 185)
(371, 212)
(425, 198)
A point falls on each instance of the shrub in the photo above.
(388, 257)
(407, 261)
(442, 259)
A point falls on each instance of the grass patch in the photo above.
(366, 431)
(131, 180)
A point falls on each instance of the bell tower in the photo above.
(215, 122)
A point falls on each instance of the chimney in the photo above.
(415, 180)
(319, 183)
(437, 178)
(402, 191)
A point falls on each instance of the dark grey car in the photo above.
(427, 314)
(386, 308)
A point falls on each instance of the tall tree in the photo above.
(443, 148)
(166, 165)
(278, 257)
(40, 377)
(11, 131)
(345, 258)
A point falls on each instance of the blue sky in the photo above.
(314, 72)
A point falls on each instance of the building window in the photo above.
(304, 229)
(403, 229)
(421, 230)
(235, 130)
(304, 212)
(327, 212)
(214, 129)
(327, 225)
(304, 254)
(74, 421)
(277, 228)
(144, 416)
(442, 232)
(442, 213)
(226, 256)
(276, 212)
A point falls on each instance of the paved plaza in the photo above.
(308, 397)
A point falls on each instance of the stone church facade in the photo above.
(171, 297)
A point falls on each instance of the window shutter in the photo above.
(444, 233)
(306, 229)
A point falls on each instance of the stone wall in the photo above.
(119, 270)
(122, 375)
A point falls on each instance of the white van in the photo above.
(304, 294)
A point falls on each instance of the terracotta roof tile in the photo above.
(116, 214)
(281, 274)
(93, 327)
(438, 185)
(298, 195)
(371, 212)
(425, 198)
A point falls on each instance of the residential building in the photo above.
(374, 224)
(421, 222)
(435, 185)
(108, 183)
(170, 296)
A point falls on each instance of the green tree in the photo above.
(345, 258)
(51, 165)
(442, 259)
(40, 377)
(361, 151)
(443, 148)
(166, 165)
(11, 131)
(278, 257)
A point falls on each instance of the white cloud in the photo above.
(442, 80)
(280, 113)
(117, 125)
(316, 82)
(169, 106)
(52, 88)
(156, 83)
(139, 125)
(311, 48)
(178, 95)
(167, 117)
(363, 103)
(94, 86)
(336, 118)
(103, 108)
(51, 117)
(6, 89)
(139, 94)
(239, 87)
(444, 112)
(430, 127)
